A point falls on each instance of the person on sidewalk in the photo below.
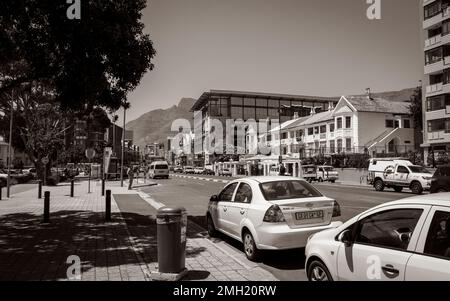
(130, 173)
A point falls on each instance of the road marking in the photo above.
(146, 197)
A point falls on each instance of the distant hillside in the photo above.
(402, 95)
(154, 126)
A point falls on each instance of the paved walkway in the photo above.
(122, 250)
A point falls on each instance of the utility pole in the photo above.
(123, 144)
(9, 147)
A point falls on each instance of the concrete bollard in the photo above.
(39, 189)
(47, 207)
(72, 188)
(108, 206)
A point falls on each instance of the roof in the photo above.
(379, 105)
(266, 179)
(226, 93)
(319, 117)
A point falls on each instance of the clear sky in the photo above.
(306, 47)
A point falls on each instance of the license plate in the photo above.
(309, 215)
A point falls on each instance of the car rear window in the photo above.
(161, 166)
(288, 189)
(443, 171)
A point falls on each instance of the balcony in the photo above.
(426, 2)
(434, 89)
(433, 42)
(429, 23)
(447, 110)
(436, 135)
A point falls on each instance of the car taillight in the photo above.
(336, 209)
(274, 215)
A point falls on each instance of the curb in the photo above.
(202, 179)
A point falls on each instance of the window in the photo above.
(323, 129)
(310, 131)
(397, 124)
(445, 27)
(316, 130)
(291, 189)
(443, 172)
(438, 238)
(243, 194)
(339, 145)
(447, 126)
(402, 169)
(438, 102)
(390, 123)
(348, 122)
(433, 56)
(227, 193)
(391, 229)
(432, 10)
(332, 146)
(331, 127)
(436, 125)
(284, 135)
(406, 124)
(348, 144)
(339, 123)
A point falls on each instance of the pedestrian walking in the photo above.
(130, 173)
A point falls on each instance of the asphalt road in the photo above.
(285, 265)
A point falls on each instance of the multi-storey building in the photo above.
(224, 105)
(436, 81)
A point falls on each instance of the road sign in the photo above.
(45, 160)
(90, 153)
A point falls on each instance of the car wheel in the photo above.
(333, 181)
(379, 185)
(398, 189)
(250, 249)
(212, 232)
(416, 188)
(317, 271)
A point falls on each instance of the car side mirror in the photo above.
(346, 238)
(214, 199)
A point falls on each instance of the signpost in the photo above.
(90, 154)
(45, 161)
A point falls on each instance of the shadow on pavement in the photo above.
(31, 250)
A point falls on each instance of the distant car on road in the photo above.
(441, 180)
(188, 170)
(225, 172)
(158, 169)
(271, 213)
(198, 170)
(178, 169)
(209, 172)
(402, 240)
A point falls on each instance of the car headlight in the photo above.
(427, 178)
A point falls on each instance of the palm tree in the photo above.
(125, 105)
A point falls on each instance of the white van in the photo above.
(158, 169)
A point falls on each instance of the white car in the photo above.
(270, 213)
(402, 240)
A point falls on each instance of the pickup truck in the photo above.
(398, 175)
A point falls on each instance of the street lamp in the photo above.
(8, 184)
(125, 105)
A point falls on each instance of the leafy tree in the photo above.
(416, 108)
(86, 63)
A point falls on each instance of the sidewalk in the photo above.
(122, 250)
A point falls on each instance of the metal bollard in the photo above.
(39, 189)
(72, 188)
(108, 206)
(47, 207)
(1, 189)
(103, 186)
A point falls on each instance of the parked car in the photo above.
(198, 170)
(178, 169)
(441, 180)
(327, 174)
(407, 239)
(188, 170)
(309, 172)
(225, 172)
(32, 171)
(398, 174)
(209, 172)
(158, 169)
(271, 213)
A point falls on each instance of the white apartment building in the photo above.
(436, 81)
(358, 124)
